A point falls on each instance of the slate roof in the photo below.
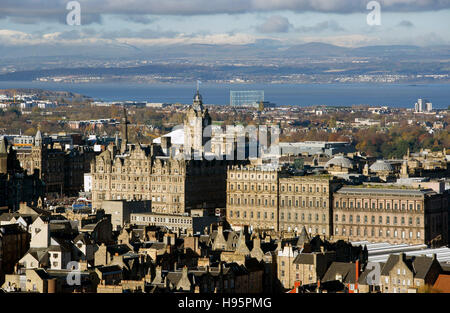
(304, 258)
(419, 265)
(346, 270)
(11, 229)
(120, 249)
(109, 269)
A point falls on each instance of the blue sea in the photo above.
(393, 95)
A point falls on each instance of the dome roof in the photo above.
(340, 161)
(381, 166)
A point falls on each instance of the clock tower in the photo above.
(195, 123)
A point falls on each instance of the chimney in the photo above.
(185, 271)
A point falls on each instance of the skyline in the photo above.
(143, 24)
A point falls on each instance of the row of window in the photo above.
(252, 187)
(302, 216)
(388, 233)
(284, 202)
(253, 176)
(387, 220)
(252, 201)
(380, 205)
(304, 203)
(304, 188)
(172, 220)
(250, 214)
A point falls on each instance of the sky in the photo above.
(165, 22)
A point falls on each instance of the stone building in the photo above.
(393, 215)
(402, 274)
(267, 197)
(46, 161)
(175, 183)
(305, 201)
(62, 171)
(14, 243)
(16, 185)
(252, 196)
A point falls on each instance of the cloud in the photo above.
(55, 10)
(275, 24)
(78, 37)
(406, 24)
(319, 27)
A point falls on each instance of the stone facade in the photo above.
(252, 196)
(396, 216)
(174, 184)
(269, 198)
(404, 274)
(305, 201)
(61, 171)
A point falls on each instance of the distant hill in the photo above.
(43, 94)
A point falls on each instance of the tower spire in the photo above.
(124, 134)
(38, 137)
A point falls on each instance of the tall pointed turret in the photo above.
(3, 156)
(38, 137)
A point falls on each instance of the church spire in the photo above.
(123, 147)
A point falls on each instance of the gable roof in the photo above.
(346, 270)
(304, 258)
(418, 265)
